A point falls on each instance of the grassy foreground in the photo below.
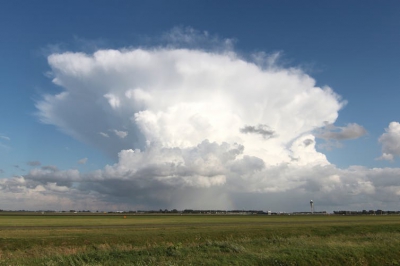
(199, 240)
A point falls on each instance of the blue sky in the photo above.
(352, 47)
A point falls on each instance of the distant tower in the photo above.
(312, 206)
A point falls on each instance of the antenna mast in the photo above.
(312, 206)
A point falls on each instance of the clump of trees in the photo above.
(365, 212)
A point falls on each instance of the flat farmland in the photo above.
(107, 239)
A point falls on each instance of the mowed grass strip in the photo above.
(75, 220)
(199, 240)
(115, 220)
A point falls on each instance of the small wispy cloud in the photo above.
(386, 157)
(5, 137)
(104, 134)
(334, 135)
(113, 100)
(19, 167)
(190, 37)
(52, 168)
(34, 163)
(83, 161)
(308, 142)
(351, 131)
(120, 134)
(262, 130)
(4, 147)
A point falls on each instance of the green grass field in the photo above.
(75, 239)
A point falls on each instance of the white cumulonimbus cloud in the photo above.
(180, 97)
(390, 142)
(191, 128)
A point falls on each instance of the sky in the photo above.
(133, 105)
